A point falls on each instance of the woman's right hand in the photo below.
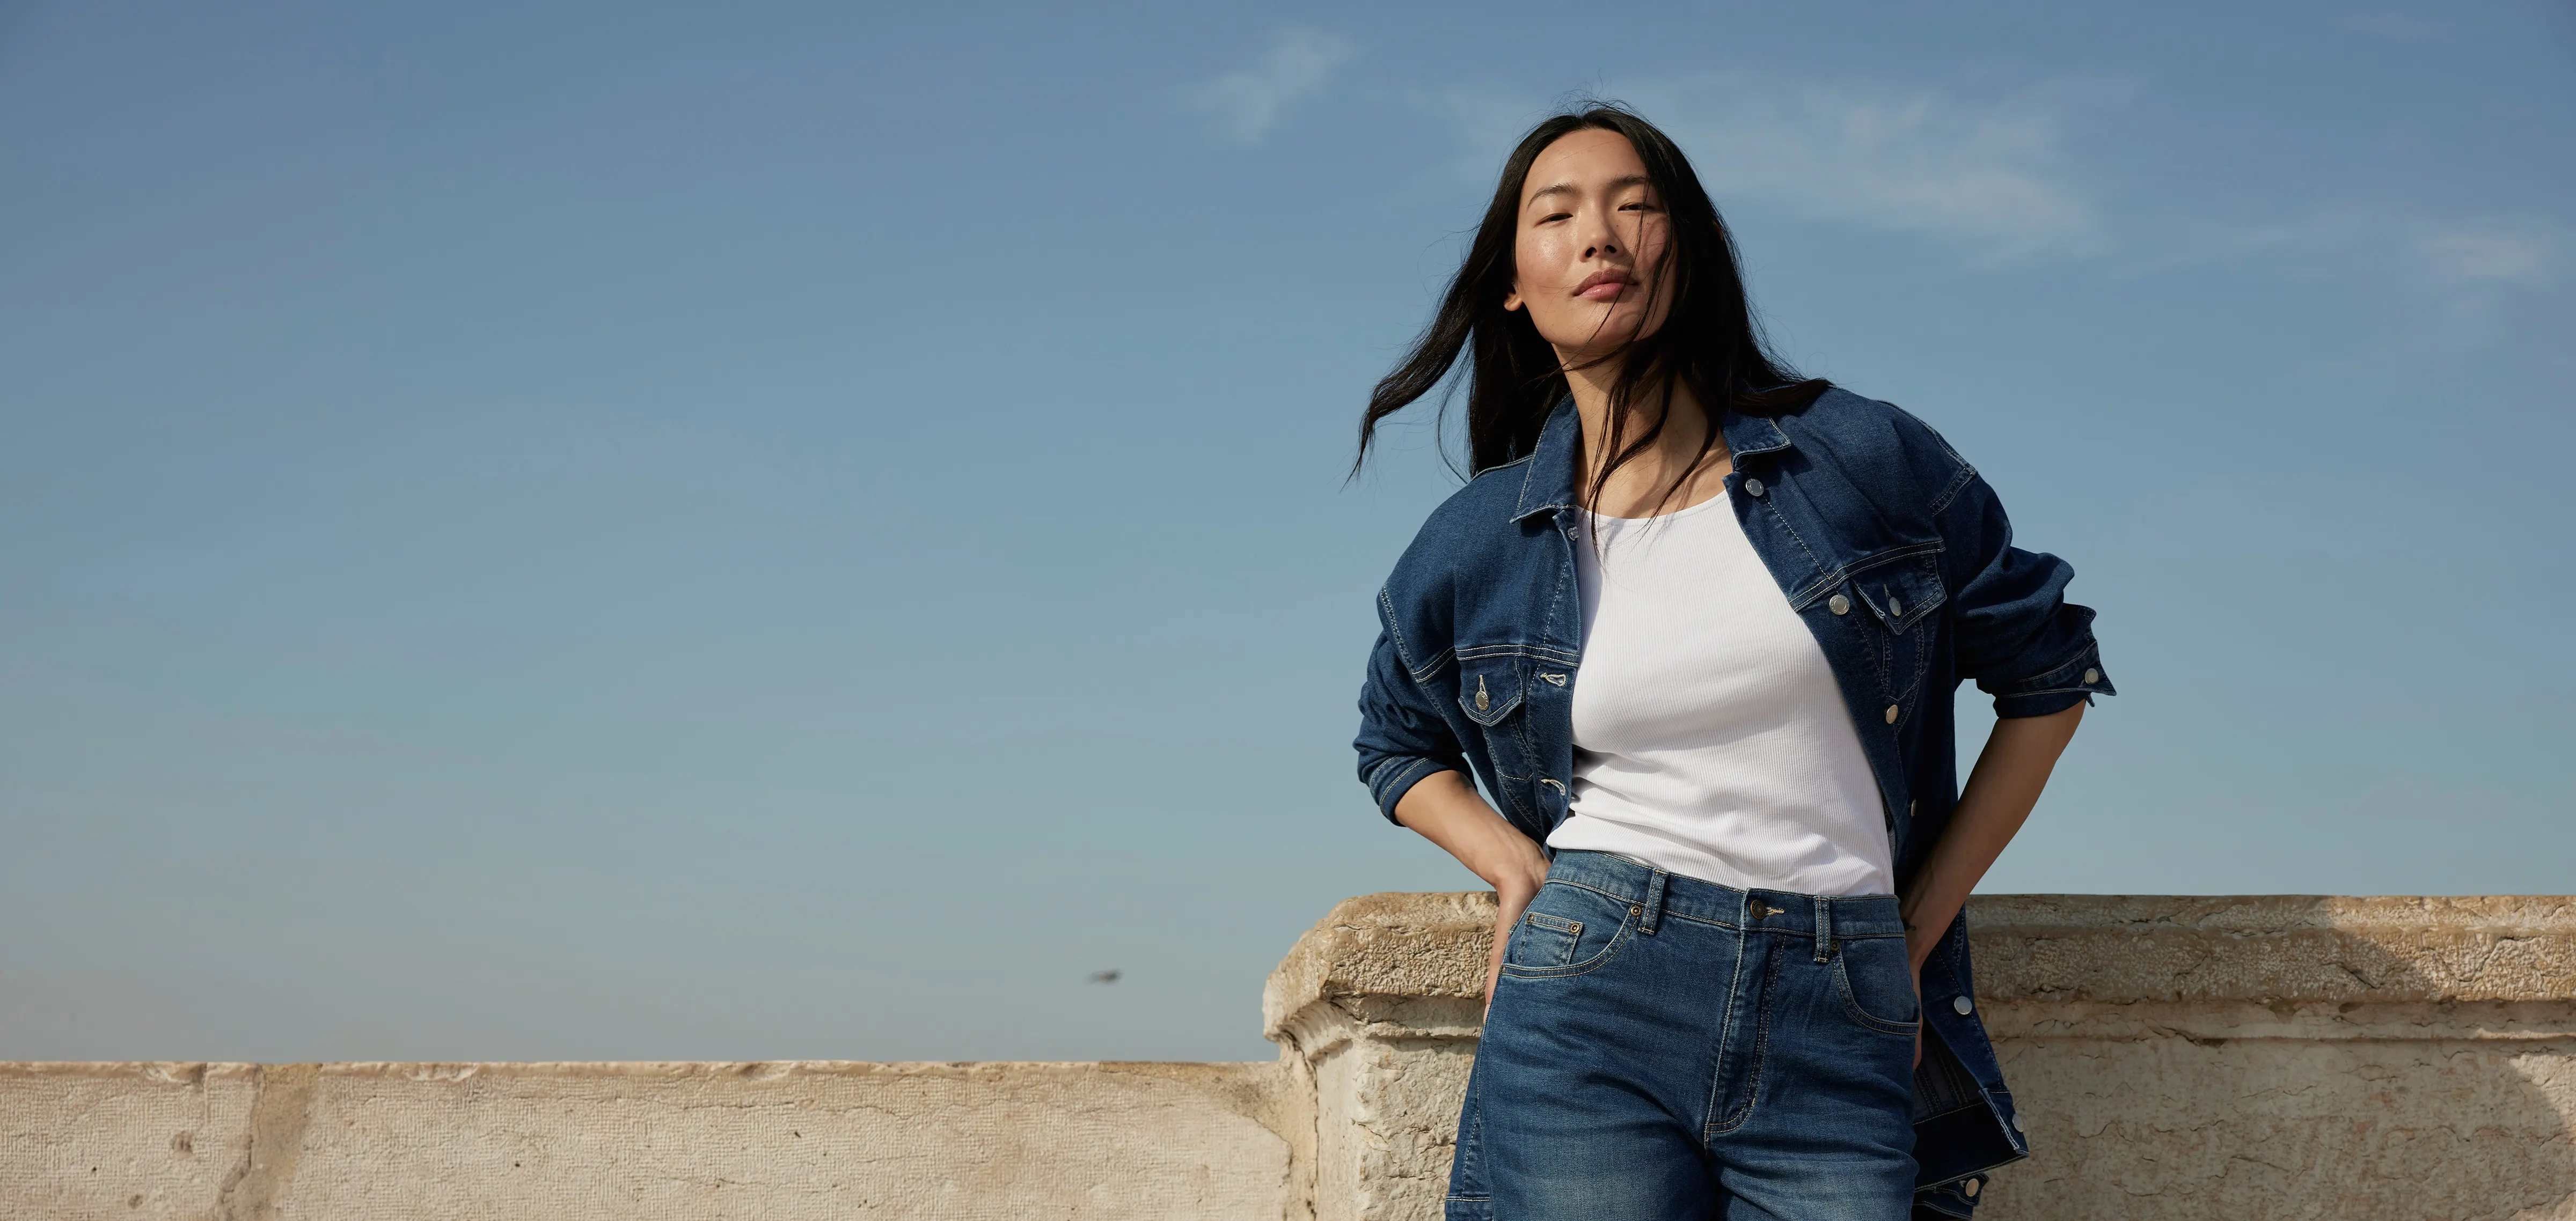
(1446, 810)
(1512, 896)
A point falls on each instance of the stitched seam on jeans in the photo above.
(1585, 967)
(1725, 1039)
(1630, 900)
(1706, 922)
(1851, 1005)
(1570, 930)
(1773, 930)
(1761, 1048)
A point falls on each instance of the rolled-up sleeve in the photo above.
(1402, 738)
(2018, 637)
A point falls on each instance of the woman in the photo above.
(1695, 625)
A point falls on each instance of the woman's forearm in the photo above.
(1445, 809)
(2001, 790)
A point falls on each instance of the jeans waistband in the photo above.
(1664, 895)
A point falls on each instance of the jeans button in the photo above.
(1838, 604)
(2092, 676)
(1891, 714)
(1961, 1005)
(1752, 487)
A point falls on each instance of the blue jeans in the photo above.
(1661, 1048)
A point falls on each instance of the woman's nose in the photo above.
(1605, 241)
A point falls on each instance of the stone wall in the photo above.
(2262, 1059)
(578, 1142)
(2174, 1058)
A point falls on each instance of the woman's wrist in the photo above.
(1518, 867)
(1923, 925)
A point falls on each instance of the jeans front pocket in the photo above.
(1542, 940)
(1568, 930)
(1876, 979)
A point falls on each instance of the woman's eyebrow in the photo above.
(1568, 188)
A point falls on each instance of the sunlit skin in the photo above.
(1591, 233)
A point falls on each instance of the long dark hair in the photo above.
(1710, 340)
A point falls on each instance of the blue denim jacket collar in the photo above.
(1547, 480)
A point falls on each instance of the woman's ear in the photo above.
(1511, 300)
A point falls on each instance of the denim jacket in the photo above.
(1895, 553)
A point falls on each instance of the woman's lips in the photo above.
(1603, 286)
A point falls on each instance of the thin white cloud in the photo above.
(2003, 175)
(2475, 266)
(2464, 271)
(1987, 170)
(2493, 254)
(1914, 160)
(1247, 103)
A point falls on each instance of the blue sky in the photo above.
(642, 531)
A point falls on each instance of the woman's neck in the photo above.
(1639, 487)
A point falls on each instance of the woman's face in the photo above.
(1592, 230)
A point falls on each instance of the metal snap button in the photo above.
(1895, 607)
(1838, 604)
(1961, 1005)
(1752, 487)
(2092, 676)
(2017, 1123)
(1969, 1189)
(1891, 714)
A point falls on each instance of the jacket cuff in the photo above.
(1396, 777)
(2073, 682)
(1953, 1199)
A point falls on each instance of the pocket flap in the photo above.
(1903, 592)
(1489, 690)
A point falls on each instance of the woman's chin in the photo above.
(1596, 343)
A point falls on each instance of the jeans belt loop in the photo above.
(1654, 903)
(1824, 929)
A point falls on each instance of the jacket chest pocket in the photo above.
(1490, 692)
(1903, 599)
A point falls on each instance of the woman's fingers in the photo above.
(1503, 921)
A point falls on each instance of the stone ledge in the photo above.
(790, 1140)
(2273, 949)
(1377, 956)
